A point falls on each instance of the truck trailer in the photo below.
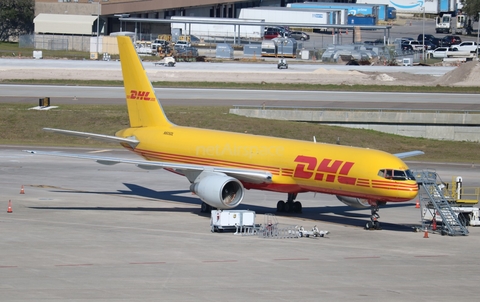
(283, 15)
(380, 12)
(416, 7)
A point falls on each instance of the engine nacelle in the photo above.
(219, 190)
(358, 203)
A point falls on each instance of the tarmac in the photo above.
(87, 232)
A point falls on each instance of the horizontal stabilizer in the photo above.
(409, 154)
(113, 139)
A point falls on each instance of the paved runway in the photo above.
(114, 66)
(229, 97)
(83, 231)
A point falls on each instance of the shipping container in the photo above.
(355, 20)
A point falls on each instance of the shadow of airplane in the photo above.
(342, 214)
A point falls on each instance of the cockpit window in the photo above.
(410, 175)
(396, 174)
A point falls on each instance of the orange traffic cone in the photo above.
(9, 210)
(417, 206)
(22, 191)
(425, 235)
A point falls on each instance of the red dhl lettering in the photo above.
(326, 170)
(140, 95)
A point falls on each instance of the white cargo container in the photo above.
(204, 30)
(283, 15)
(416, 7)
(231, 220)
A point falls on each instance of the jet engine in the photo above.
(219, 190)
(358, 203)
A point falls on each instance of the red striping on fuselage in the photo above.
(205, 161)
(325, 168)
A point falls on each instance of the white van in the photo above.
(183, 43)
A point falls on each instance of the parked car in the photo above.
(375, 42)
(182, 43)
(470, 46)
(274, 32)
(430, 38)
(429, 45)
(450, 40)
(440, 52)
(407, 47)
(299, 35)
(415, 45)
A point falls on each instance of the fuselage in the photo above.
(296, 166)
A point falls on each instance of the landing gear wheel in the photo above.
(205, 208)
(297, 207)
(289, 206)
(373, 224)
(281, 206)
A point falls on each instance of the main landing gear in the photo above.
(206, 208)
(373, 224)
(290, 206)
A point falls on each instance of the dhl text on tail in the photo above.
(221, 165)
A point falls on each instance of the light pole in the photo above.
(423, 34)
(98, 23)
(478, 32)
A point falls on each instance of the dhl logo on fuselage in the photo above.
(327, 170)
(140, 95)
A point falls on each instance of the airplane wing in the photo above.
(113, 139)
(250, 176)
(409, 154)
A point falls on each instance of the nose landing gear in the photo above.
(373, 224)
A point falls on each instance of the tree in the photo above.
(16, 18)
(471, 8)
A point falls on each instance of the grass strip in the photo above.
(20, 126)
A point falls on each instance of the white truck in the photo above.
(466, 46)
(443, 24)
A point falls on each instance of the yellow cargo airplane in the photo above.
(221, 165)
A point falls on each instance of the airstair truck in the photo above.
(463, 202)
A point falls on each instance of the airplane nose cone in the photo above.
(412, 192)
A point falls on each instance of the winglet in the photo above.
(409, 154)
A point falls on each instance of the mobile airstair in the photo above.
(435, 200)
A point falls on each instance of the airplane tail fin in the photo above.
(144, 110)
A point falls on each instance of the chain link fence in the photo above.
(56, 42)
